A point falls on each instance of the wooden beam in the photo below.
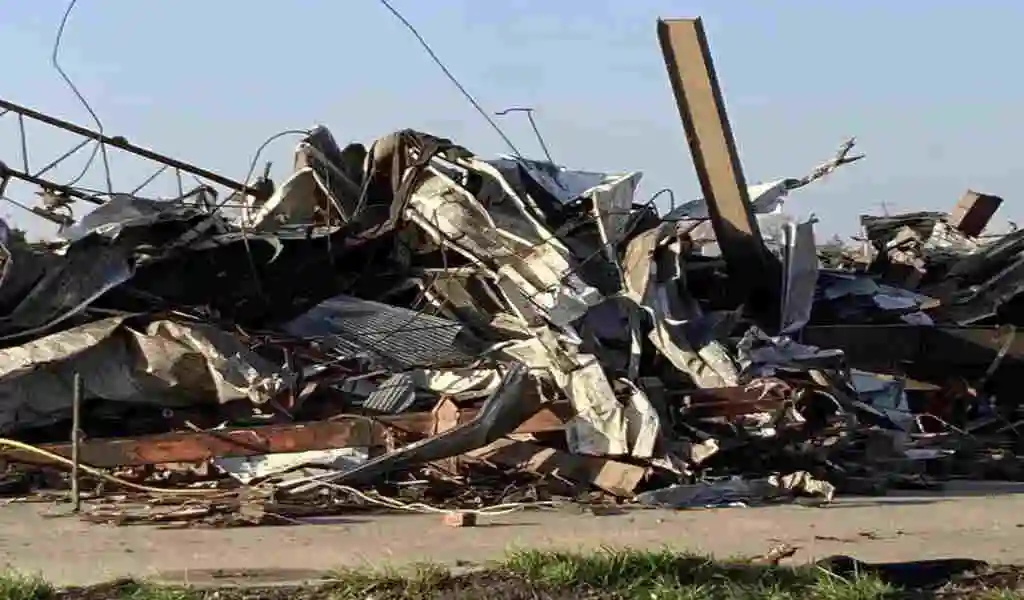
(709, 135)
(973, 212)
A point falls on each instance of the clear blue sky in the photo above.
(928, 88)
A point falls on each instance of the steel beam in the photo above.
(698, 95)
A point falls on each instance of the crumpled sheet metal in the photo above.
(501, 413)
(566, 185)
(390, 336)
(884, 393)
(21, 268)
(800, 277)
(295, 202)
(603, 425)
(524, 257)
(36, 379)
(643, 425)
(613, 198)
(459, 384)
(124, 211)
(67, 287)
(323, 189)
(247, 469)
(765, 198)
(599, 427)
(168, 352)
(338, 171)
(97, 258)
(652, 272)
(172, 364)
(760, 355)
(738, 492)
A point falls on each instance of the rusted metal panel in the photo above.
(702, 110)
(973, 212)
(198, 446)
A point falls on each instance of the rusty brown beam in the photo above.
(698, 96)
(730, 402)
(199, 446)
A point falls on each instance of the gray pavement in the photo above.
(984, 522)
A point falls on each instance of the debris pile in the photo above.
(413, 318)
(409, 326)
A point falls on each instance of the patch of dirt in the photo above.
(996, 577)
(121, 588)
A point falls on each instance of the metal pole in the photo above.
(76, 440)
(533, 124)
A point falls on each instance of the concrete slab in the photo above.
(982, 522)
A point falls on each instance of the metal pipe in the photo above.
(24, 142)
(533, 125)
(58, 160)
(76, 442)
(48, 185)
(123, 144)
(150, 179)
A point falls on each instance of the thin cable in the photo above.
(256, 158)
(419, 507)
(54, 60)
(245, 185)
(451, 77)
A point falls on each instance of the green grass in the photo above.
(21, 586)
(604, 575)
(670, 575)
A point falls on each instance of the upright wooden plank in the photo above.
(702, 110)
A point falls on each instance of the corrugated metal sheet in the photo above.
(395, 395)
(348, 327)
